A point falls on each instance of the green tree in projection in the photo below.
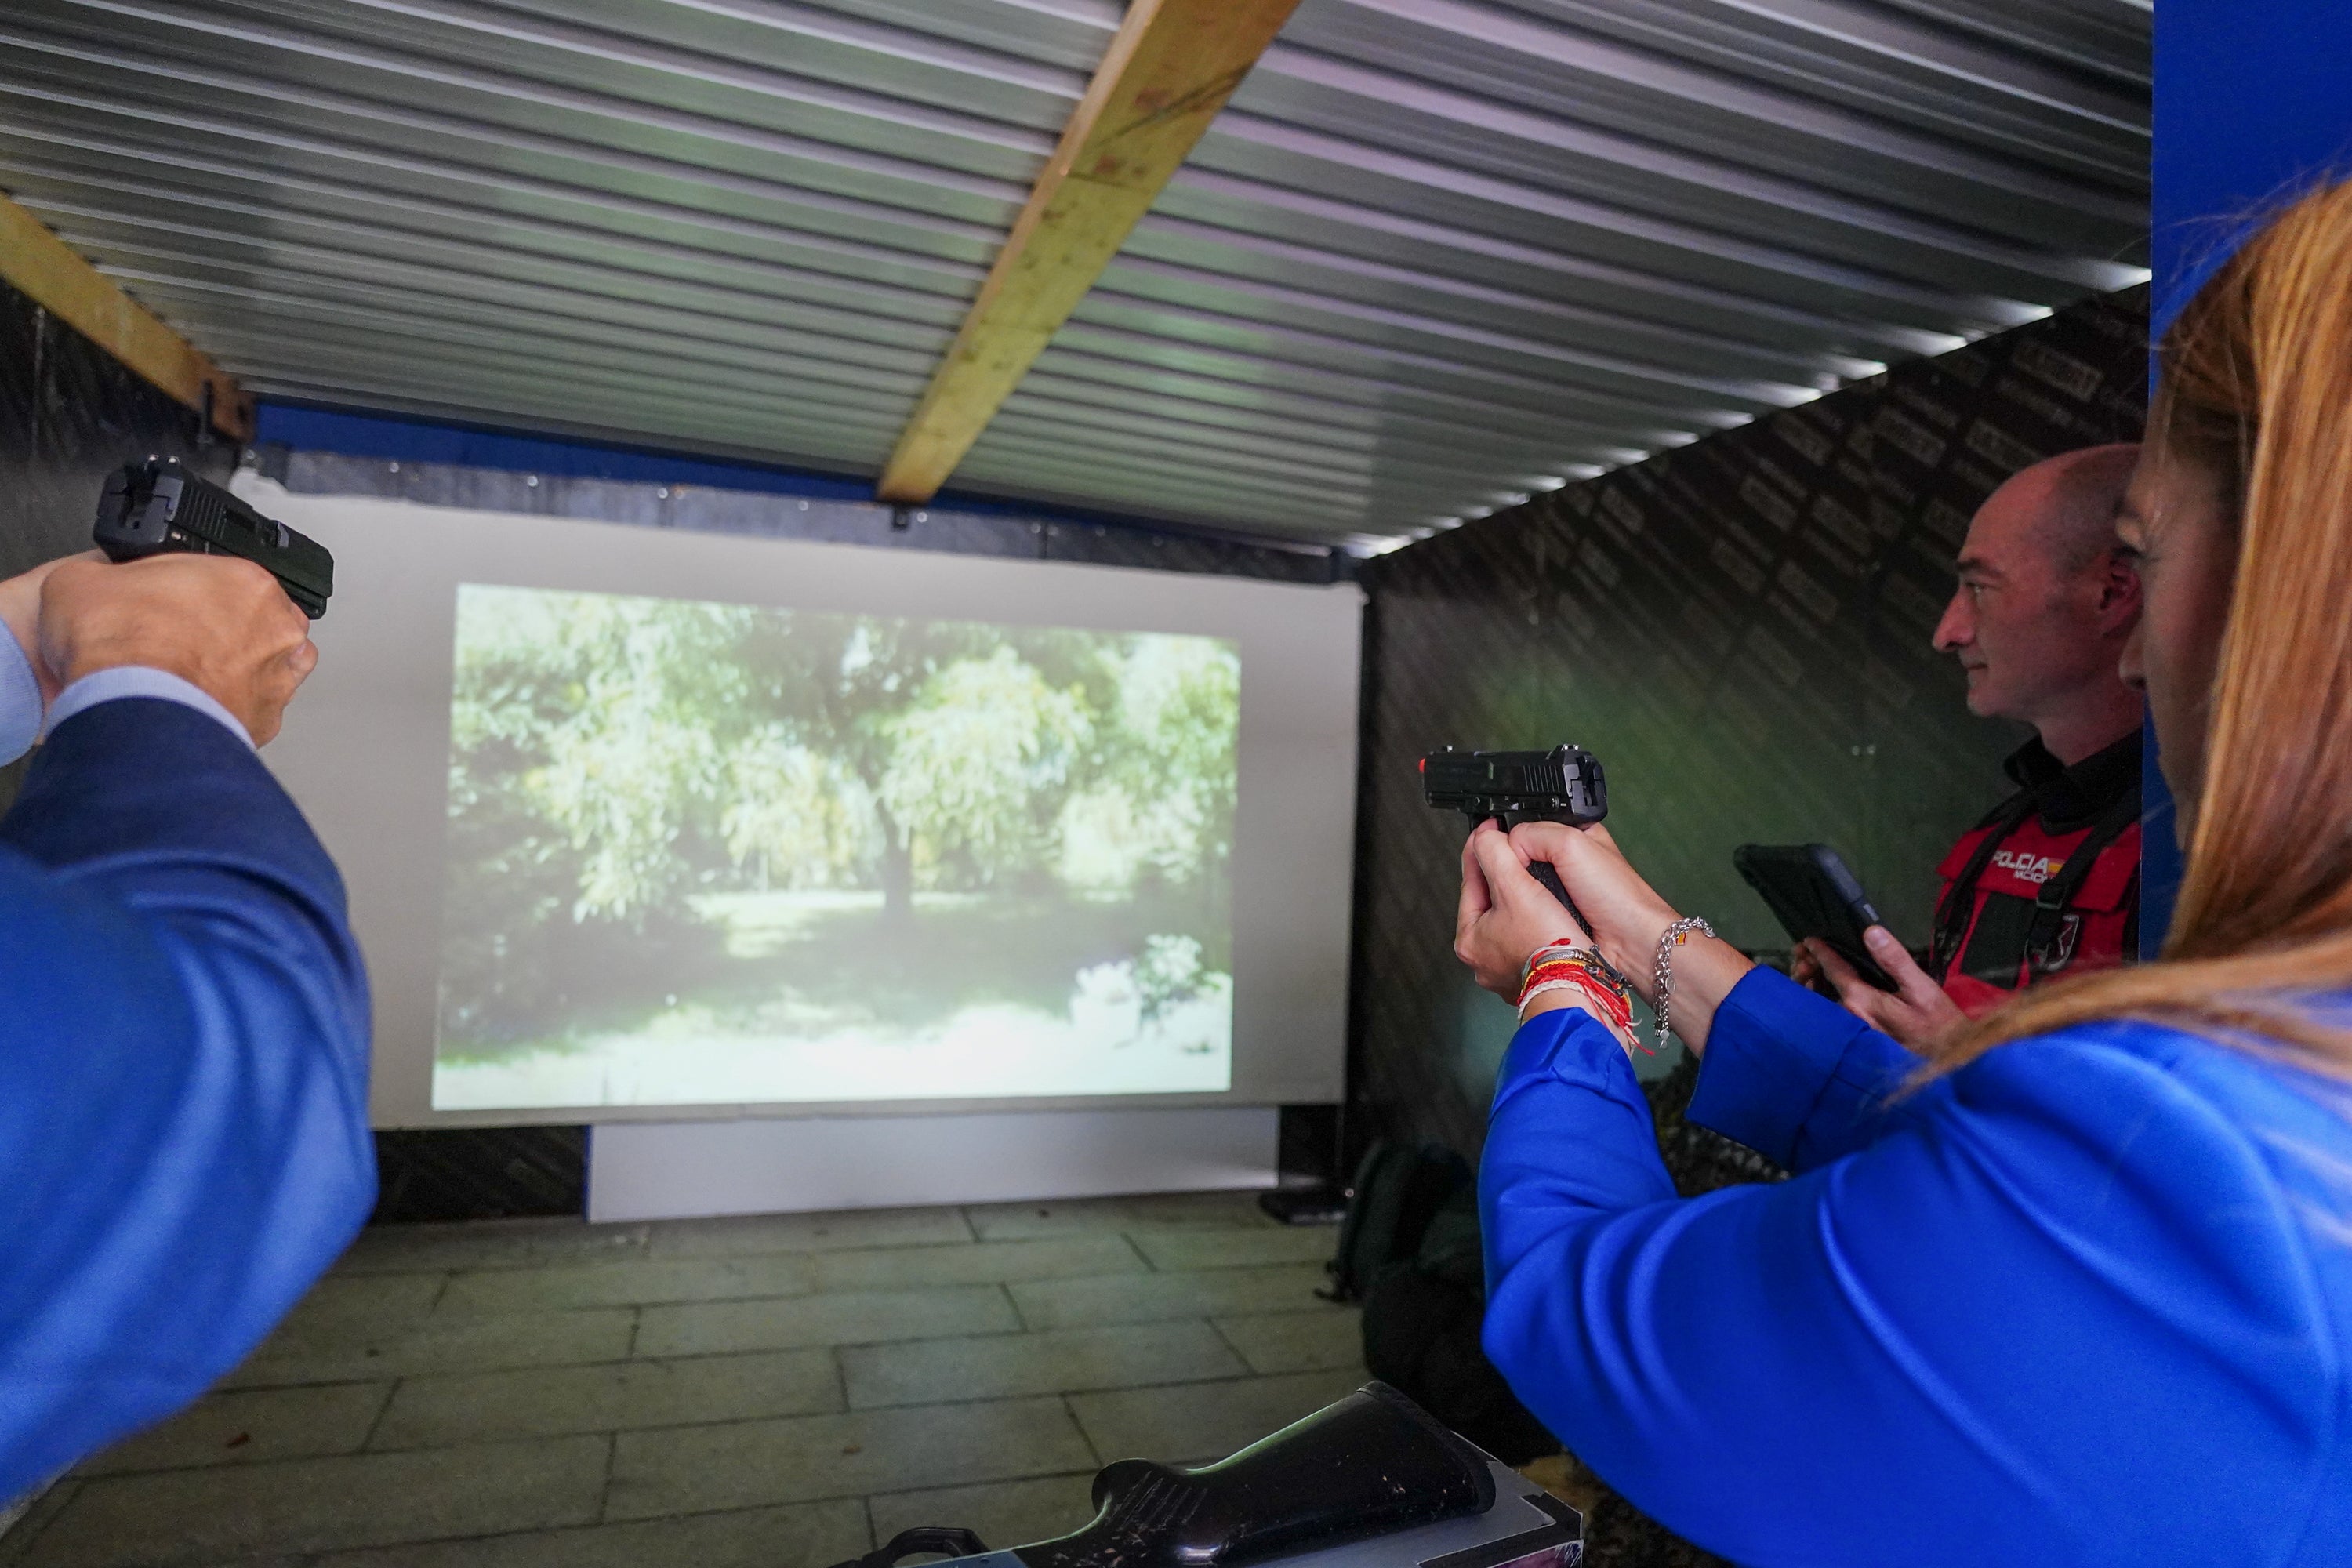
(615, 762)
(589, 734)
(979, 761)
(797, 817)
(835, 683)
(1158, 801)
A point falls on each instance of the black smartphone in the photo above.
(1812, 894)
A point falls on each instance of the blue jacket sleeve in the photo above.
(184, 1131)
(2063, 1313)
(1797, 1077)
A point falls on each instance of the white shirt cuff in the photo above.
(139, 680)
(20, 701)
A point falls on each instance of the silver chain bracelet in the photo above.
(1662, 979)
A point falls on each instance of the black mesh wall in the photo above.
(1740, 629)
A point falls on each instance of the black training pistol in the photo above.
(1563, 784)
(149, 507)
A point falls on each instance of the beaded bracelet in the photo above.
(1555, 963)
(1610, 1009)
(1610, 975)
(1564, 967)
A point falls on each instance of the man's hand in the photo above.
(221, 624)
(20, 612)
(1506, 914)
(1918, 1015)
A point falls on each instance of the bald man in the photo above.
(2048, 883)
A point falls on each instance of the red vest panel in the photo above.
(1992, 962)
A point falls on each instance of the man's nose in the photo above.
(1958, 628)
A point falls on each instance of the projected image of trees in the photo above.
(704, 853)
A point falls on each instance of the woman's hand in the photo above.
(1505, 913)
(1629, 920)
(1627, 915)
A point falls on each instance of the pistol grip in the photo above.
(1542, 872)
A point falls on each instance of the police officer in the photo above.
(2047, 882)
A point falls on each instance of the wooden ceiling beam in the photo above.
(46, 268)
(1169, 70)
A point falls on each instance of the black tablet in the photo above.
(1812, 893)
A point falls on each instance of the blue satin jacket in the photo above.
(2087, 1300)
(184, 1038)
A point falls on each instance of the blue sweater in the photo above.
(2087, 1300)
(183, 1034)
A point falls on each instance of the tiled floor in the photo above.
(781, 1391)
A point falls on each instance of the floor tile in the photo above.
(691, 1469)
(1197, 1248)
(17, 1540)
(616, 1284)
(435, 1412)
(340, 1305)
(440, 1343)
(251, 1426)
(806, 1535)
(1147, 1298)
(1001, 1366)
(1005, 1514)
(1010, 1222)
(309, 1505)
(1296, 1342)
(1198, 1422)
(892, 1269)
(841, 1317)
(489, 1244)
(737, 1235)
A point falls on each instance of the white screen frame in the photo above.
(366, 754)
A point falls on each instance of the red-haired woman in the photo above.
(2080, 1290)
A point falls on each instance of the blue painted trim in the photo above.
(393, 437)
(397, 439)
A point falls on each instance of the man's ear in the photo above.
(2119, 595)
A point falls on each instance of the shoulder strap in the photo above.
(1960, 898)
(2050, 904)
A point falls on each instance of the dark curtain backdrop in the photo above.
(69, 412)
(1739, 629)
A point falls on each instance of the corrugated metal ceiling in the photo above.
(1435, 254)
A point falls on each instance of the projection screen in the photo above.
(644, 823)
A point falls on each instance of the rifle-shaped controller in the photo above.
(1370, 1482)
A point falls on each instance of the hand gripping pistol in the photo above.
(1370, 1482)
(150, 508)
(1563, 784)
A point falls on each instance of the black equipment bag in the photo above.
(1397, 1190)
(1409, 1250)
(1421, 1324)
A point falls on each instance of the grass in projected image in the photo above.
(713, 854)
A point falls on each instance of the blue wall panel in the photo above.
(2253, 104)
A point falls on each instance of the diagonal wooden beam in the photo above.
(1167, 73)
(48, 272)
